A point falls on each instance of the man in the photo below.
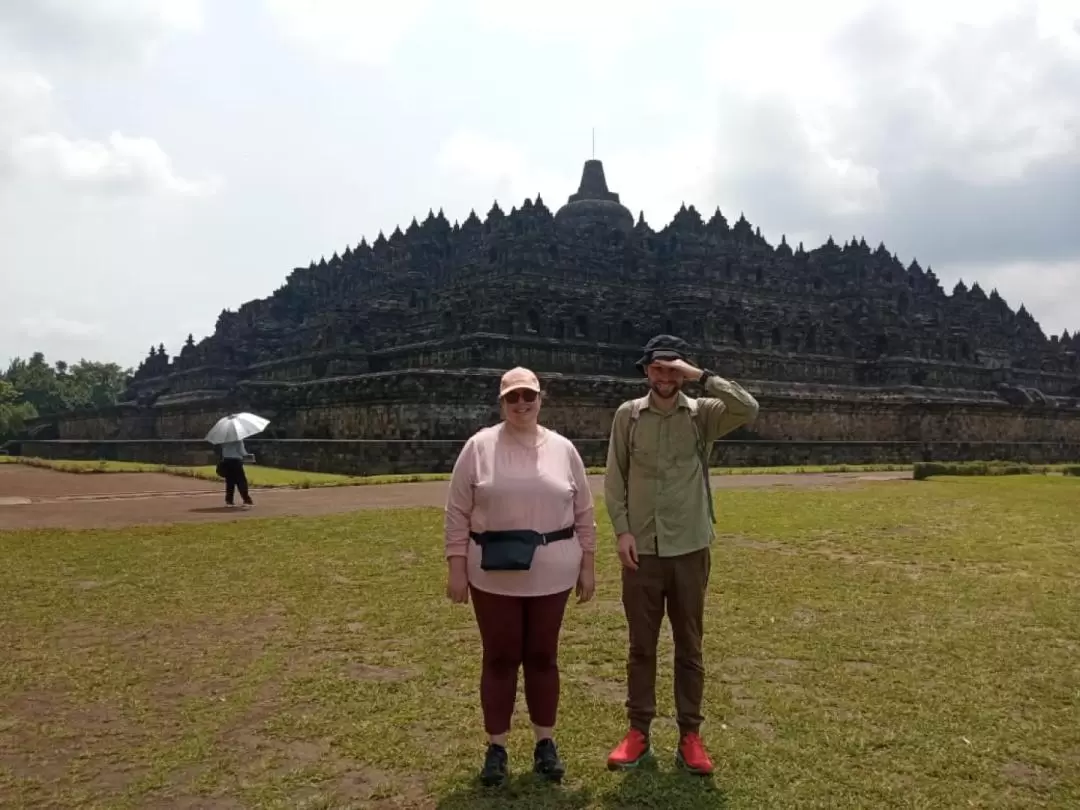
(231, 468)
(657, 493)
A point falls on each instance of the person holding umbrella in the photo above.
(230, 433)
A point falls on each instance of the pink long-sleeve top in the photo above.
(498, 484)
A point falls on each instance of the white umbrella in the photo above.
(236, 427)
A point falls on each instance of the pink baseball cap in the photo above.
(517, 378)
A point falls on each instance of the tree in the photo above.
(36, 382)
(13, 413)
(93, 385)
(48, 389)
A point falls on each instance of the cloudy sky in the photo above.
(161, 160)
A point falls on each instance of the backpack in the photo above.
(702, 451)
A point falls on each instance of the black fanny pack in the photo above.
(513, 550)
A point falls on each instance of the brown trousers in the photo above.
(679, 584)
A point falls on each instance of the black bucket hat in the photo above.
(664, 347)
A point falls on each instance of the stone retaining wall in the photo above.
(378, 457)
(415, 421)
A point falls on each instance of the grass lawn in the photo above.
(906, 644)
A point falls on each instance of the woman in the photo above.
(510, 482)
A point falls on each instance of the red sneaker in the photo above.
(692, 755)
(631, 752)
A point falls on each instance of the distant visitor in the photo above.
(229, 433)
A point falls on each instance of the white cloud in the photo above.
(657, 179)
(106, 32)
(601, 30)
(967, 87)
(120, 165)
(491, 168)
(26, 107)
(951, 130)
(371, 31)
(30, 148)
(48, 325)
(25, 101)
(352, 31)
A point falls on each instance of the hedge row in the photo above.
(926, 469)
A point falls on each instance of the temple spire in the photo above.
(594, 203)
(593, 184)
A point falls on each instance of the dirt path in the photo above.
(37, 483)
(32, 498)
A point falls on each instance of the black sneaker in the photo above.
(494, 772)
(546, 762)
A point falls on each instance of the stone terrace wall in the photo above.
(443, 405)
(589, 357)
(378, 457)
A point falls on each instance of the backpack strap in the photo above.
(703, 456)
(635, 413)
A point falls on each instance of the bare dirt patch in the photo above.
(371, 672)
(741, 697)
(759, 727)
(206, 671)
(605, 689)
(1022, 773)
(774, 546)
(49, 738)
(769, 669)
(314, 767)
(39, 484)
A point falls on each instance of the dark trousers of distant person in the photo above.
(232, 470)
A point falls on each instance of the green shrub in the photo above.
(926, 469)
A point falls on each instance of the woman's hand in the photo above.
(457, 581)
(586, 582)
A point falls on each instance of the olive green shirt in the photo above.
(656, 490)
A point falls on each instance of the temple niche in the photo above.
(578, 291)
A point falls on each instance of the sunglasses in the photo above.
(512, 397)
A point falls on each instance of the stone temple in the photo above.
(385, 356)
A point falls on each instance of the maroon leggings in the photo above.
(519, 632)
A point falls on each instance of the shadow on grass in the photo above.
(524, 791)
(651, 787)
(635, 790)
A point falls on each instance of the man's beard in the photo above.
(665, 390)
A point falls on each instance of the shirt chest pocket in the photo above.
(666, 442)
(682, 440)
(644, 446)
